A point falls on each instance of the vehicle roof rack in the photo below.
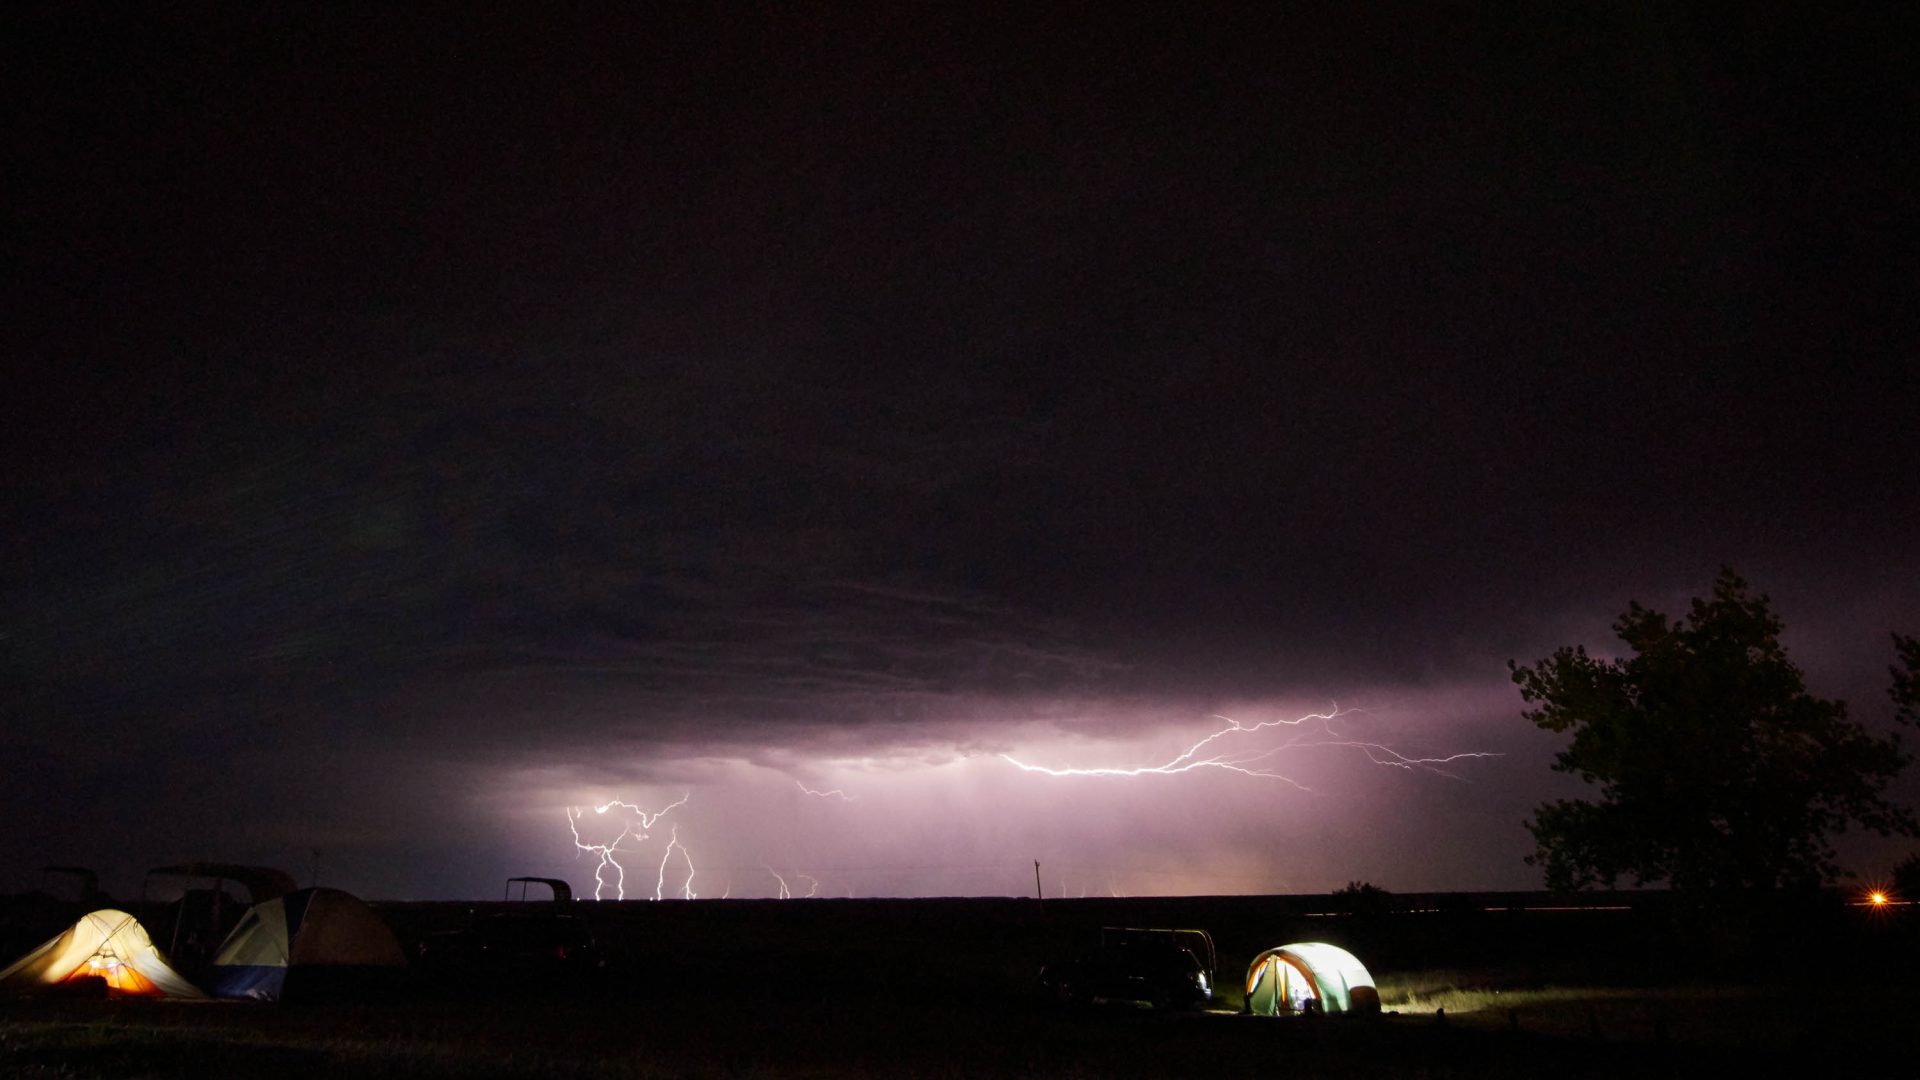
(562, 892)
(1197, 942)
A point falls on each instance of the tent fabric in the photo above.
(309, 929)
(108, 944)
(1284, 980)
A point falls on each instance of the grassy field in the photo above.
(1563, 1032)
(943, 989)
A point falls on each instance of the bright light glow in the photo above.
(1877, 899)
(634, 814)
(1311, 730)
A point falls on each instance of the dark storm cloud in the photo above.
(404, 395)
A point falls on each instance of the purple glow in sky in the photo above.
(421, 424)
(916, 824)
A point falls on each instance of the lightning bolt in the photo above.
(660, 883)
(647, 820)
(1203, 755)
(605, 851)
(786, 891)
(836, 793)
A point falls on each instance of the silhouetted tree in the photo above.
(1906, 879)
(1361, 897)
(1906, 679)
(1906, 703)
(1717, 770)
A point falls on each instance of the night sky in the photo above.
(418, 424)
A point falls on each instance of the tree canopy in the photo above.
(1716, 769)
(1906, 679)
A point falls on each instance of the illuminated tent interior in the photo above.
(311, 942)
(107, 944)
(1283, 981)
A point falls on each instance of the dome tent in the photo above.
(108, 944)
(308, 943)
(1284, 980)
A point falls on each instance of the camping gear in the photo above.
(193, 925)
(108, 945)
(1308, 977)
(309, 943)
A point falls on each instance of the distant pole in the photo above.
(1037, 894)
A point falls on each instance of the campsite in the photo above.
(1469, 985)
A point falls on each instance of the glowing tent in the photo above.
(1285, 980)
(309, 943)
(107, 944)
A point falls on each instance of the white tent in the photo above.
(108, 944)
(327, 939)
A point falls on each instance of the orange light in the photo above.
(1877, 899)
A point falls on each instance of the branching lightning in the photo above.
(645, 820)
(836, 793)
(1251, 749)
(1254, 762)
(786, 891)
(660, 883)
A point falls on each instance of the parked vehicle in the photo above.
(1158, 967)
(530, 945)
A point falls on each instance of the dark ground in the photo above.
(943, 988)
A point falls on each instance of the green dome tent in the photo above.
(1309, 975)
